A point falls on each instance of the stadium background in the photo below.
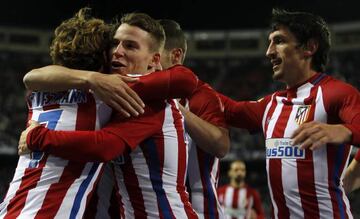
(227, 44)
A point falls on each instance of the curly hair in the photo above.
(82, 42)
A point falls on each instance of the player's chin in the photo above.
(118, 71)
(277, 75)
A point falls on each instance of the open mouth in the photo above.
(116, 65)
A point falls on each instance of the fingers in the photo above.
(312, 139)
(127, 100)
(127, 104)
(303, 133)
(128, 79)
(117, 107)
(319, 143)
(138, 101)
(22, 147)
(33, 123)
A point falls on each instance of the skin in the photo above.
(237, 174)
(132, 53)
(351, 180)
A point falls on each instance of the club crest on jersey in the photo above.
(302, 114)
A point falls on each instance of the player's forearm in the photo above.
(210, 138)
(351, 180)
(56, 78)
(77, 145)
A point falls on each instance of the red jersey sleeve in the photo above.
(342, 101)
(206, 104)
(114, 139)
(175, 82)
(244, 114)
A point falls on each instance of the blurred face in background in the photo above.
(131, 52)
(237, 171)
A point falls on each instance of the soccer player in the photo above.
(151, 175)
(210, 140)
(315, 110)
(352, 175)
(46, 186)
(239, 199)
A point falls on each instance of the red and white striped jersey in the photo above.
(150, 155)
(203, 174)
(151, 179)
(238, 202)
(46, 186)
(303, 183)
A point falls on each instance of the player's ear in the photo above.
(155, 61)
(311, 47)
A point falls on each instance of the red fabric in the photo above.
(244, 114)
(206, 104)
(114, 139)
(175, 82)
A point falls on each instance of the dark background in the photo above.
(193, 15)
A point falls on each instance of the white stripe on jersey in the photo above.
(36, 196)
(71, 200)
(143, 175)
(229, 194)
(171, 156)
(269, 132)
(320, 161)
(15, 183)
(275, 207)
(53, 169)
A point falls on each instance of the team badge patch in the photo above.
(302, 114)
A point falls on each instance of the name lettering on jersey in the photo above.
(302, 114)
(282, 148)
(39, 99)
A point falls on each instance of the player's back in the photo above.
(45, 186)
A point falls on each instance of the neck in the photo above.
(300, 79)
(237, 184)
